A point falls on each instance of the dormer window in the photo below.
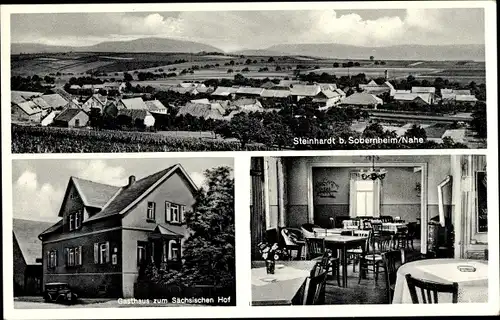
(75, 220)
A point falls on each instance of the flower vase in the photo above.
(270, 265)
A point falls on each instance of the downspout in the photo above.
(440, 199)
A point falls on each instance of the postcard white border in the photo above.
(242, 179)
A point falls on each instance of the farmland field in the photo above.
(26, 139)
(117, 63)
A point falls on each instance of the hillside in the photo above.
(401, 52)
(138, 45)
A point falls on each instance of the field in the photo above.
(216, 67)
(28, 139)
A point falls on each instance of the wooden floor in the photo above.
(367, 292)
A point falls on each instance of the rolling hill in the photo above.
(138, 45)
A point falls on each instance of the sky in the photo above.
(236, 30)
(38, 186)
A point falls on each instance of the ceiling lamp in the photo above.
(373, 174)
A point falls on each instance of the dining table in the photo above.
(284, 286)
(472, 285)
(343, 243)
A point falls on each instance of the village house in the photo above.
(373, 88)
(225, 92)
(457, 96)
(26, 111)
(421, 99)
(362, 100)
(55, 101)
(271, 94)
(213, 110)
(106, 234)
(111, 109)
(95, 101)
(49, 118)
(72, 118)
(155, 106)
(27, 256)
(138, 117)
(23, 96)
(430, 91)
(249, 92)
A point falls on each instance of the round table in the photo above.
(472, 286)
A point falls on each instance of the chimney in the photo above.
(131, 181)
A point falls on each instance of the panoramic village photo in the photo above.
(369, 230)
(123, 233)
(165, 81)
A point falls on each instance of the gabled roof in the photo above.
(94, 194)
(183, 90)
(56, 227)
(245, 102)
(54, 100)
(340, 92)
(426, 97)
(207, 111)
(29, 107)
(250, 90)
(327, 86)
(362, 99)
(134, 113)
(99, 98)
(155, 105)
(224, 91)
(288, 83)
(268, 84)
(423, 90)
(67, 114)
(465, 98)
(128, 196)
(305, 90)
(134, 103)
(26, 233)
(41, 103)
(372, 83)
(204, 100)
(22, 96)
(462, 92)
(272, 93)
(75, 87)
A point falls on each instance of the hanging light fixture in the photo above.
(373, 174)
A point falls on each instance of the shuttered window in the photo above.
(101, 253)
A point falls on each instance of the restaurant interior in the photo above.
(369, 229)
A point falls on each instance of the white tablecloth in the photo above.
(280, 274)
(472, 286)
(392, 226)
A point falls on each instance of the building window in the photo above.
(71, 222)
(151, 211)
(74, 256)
(52, 258)
(75, 220)
(141, 252)
(173, 250)
(101, 253)
(174, 212)
(364, 198)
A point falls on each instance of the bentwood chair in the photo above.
(371, 259)
(314, 291)
(293, 241)
(316, 251)
(429, 290)
(392, 261)
(355, 254)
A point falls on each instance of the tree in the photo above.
(335, 64)
(479, 120)
(209, 252)
(416, 132)
(127, 77)
(371, 58)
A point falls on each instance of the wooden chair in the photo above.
(371, 257)
(392, 261)
(315, 248)
(292, 239)
(429, 290)
(327, 261)
(485, 254)
(355, 254)
(366, 225)
(314, 291)
(401, 238)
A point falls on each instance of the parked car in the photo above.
(59, 292)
